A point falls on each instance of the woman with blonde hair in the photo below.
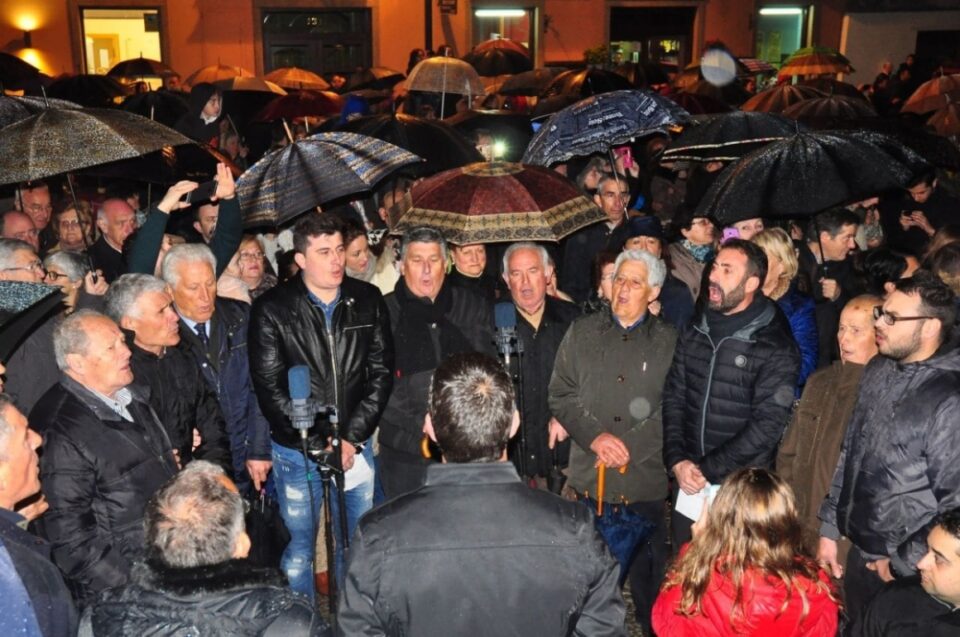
(747, 571)
(781, 286)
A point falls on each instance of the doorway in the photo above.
(325, 41)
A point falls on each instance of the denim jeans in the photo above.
(294, 487)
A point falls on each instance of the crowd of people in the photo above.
(796, 382)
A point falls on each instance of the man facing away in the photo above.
(475, 551)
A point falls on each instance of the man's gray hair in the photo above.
(124, 293)
(70, 336)
(526, 245)
(185, 253)
(5, 428)
(423, 234)
(656, 268)
(9, 248)
(73, 264)
(194, 519)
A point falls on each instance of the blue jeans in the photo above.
(294, 487)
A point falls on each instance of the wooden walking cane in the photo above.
(601, 484)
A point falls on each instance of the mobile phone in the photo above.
(729, 233)
(203, 192)
(627, 156)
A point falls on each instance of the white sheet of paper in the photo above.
(691, 506)
(360, 472)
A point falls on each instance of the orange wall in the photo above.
(575, 25)
(49, 32)
(730, 21)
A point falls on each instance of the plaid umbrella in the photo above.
(22, 307)
(729, 137)
(815, 60)
(933, 95)
(61, 140)
(292, 77)
(14, 109)
(140, 67)
(600, 122)
(806, 173)
(778, 98)
(498, 201)
(756, 65)
(312, 171)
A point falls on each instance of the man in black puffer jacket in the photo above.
(431, 320)
(196, 580)
(730, 387)
(142, 306)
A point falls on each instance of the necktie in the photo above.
(201, 329)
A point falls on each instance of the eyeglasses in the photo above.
(39, 207)
(251, 256)
(26, 234)
(890, 319)
(69, 223)
(36, 266)
(55, 276)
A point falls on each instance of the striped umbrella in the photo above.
(815, 60)
(312, 171)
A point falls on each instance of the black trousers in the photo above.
(401, 472)
(860, 584)
(649, 564)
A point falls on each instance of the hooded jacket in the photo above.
(192, 124)
(900, 462)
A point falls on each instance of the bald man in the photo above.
(116, 220)
(18, 225)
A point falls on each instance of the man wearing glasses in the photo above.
(33, 198)
(900, 463)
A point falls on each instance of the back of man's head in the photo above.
(471, 408)
(830, 221)
(937, 300)
(195, 519)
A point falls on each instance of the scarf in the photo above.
(413, 339)
(700, 253)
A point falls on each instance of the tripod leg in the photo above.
(328, 528)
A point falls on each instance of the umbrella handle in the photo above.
(425, 447)
(601, 484)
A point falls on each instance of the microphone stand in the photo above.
(507, 340)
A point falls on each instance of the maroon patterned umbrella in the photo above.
(305, 103)
(498, 201)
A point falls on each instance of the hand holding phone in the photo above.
(203, 192)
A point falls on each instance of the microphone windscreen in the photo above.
(504, 315)
(298, 382)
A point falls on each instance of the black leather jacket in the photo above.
(356, 375)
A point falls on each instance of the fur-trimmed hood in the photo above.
(234, 575)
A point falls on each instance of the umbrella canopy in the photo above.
(88, 90)
(815, 60)
(445, 75)
(165, 107)
(140, 67)
(22, 307)
(729, 137)
(586, 82)
(732, 93)
(502, 43)
(14, 72)
(933, 148)
(599, 122)
(778, 98)
(830, 86)
(215, 72)
(946, 121)
(509, 128)
(530, 83)
(301, 104)
(755, 66)
(63, 140)
(14, 109)
(804, 174)
(498, 201)
(252, 84)
(933, 95)
(699, 104)
(292, 77)
(195, 162)
(441, 147)
(825, 109)
(313, 171)
(374, 77)
(498, 61)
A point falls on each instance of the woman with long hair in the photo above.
(747, 572)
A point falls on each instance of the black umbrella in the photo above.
(821, 111)
(530, 83)
(374, 77)
(62, 140)
(597, 123)
(22, 307)
(165, 107)
(834, 87)
(14, 109)
(138, 68)
(312, 171)
(547, 106)
(498, 61)
(587, 82)
(441, 147)
(510, 129)
(806, 173)
(934, 148)
(729, 136)
(88, 90)
(732, 93)
(14, 72)
(194, 162)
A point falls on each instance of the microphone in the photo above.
(505, 320)
(302, 410)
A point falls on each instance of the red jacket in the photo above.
(762, 601)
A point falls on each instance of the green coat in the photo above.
(606, 379)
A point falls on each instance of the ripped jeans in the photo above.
(293, 485)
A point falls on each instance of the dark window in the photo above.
(323, 41)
